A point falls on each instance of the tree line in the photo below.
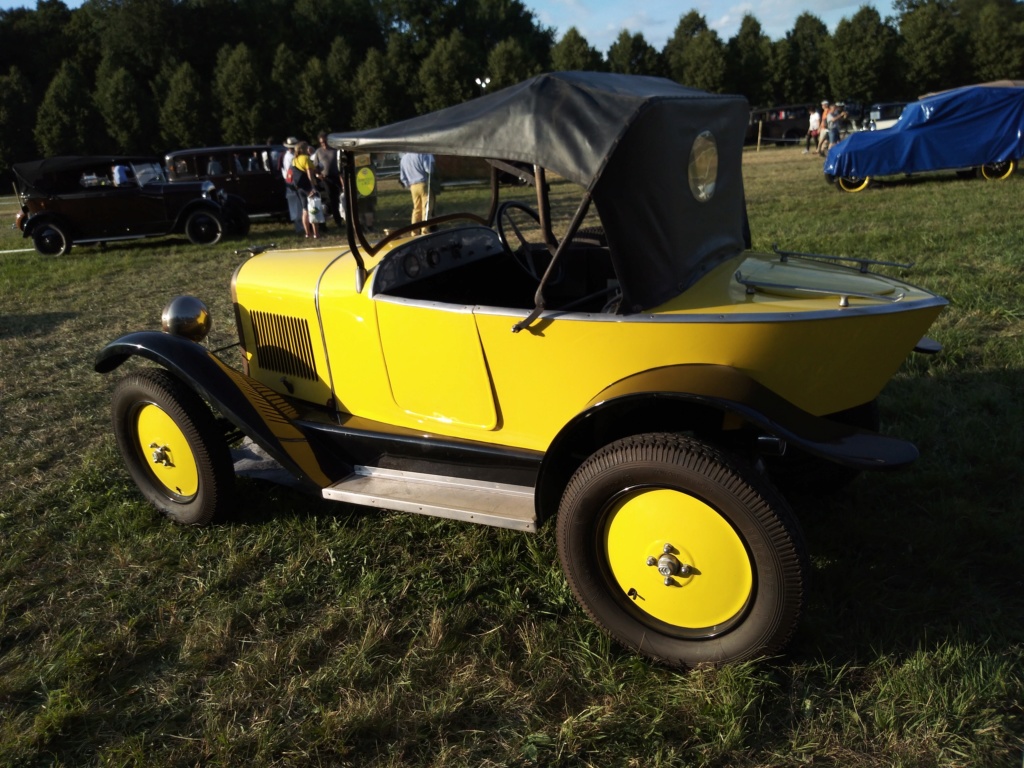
(149, 76)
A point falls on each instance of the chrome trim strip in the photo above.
(718, 318)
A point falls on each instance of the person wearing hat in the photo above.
(826, 110)
(296, 203)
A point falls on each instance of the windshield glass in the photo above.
(432, 186)
(451, 192)
(148, 173)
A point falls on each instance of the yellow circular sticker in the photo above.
(366, 182)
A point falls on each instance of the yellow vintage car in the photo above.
(598, 347)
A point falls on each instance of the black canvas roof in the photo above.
(41, 174)
(627, 140)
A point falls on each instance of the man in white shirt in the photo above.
(295, 202)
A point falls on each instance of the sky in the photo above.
(600, 21)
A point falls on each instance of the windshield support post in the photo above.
(538, 297)
(351, 234)
(544, 207)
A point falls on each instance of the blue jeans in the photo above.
(295, 207)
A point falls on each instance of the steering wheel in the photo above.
(524, 254)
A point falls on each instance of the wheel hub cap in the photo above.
(678, 559)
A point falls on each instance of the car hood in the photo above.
(628, 141)
(957, 129)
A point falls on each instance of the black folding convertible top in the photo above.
(44, 175)
(627, 140)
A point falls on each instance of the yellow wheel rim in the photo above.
(851, 184)
(166, 451)
(720, 579)
(992, 173)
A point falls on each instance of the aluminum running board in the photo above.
(456, 498)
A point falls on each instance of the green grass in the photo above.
(311, 633)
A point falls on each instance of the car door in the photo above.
(435, 362)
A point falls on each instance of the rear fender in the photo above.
(259, 412)
(703, 398)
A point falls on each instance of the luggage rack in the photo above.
(844, 295)
(862, 264)
(753, 284)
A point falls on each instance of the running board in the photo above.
(456, 498)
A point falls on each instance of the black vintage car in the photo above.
(251, 172)
(71, 200)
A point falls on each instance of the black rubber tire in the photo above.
(998, 171)
(738, 501)
(50, 239)
(190, 433)
(798, 472)
(204, 227)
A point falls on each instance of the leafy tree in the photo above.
(135, 33)
(805, 77)
(573, 52)
(184, 111)
(337, 90)
(933, 48)
(509, 63)
(447, 75)
(998, 44)
(489, 23)
(314, 109)
(372, 93)
(124, 106)
(631, 54)
(405, 69)
(65, 118)
(238, 94)
(284, 79)
(695, 55)
(864, 63)
(748, 57)
(15, 132)
(35, 41)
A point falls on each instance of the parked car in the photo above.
(248, 171)
(599, 348)
(786, 124)
(885, 114)
(973, 129)
(68, 201)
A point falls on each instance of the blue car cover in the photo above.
(962, 128)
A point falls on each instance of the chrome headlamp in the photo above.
(188, 317)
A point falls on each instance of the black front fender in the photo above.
(258, 411)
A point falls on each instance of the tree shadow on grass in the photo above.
(41, 324)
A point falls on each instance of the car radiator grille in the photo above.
(283, 345)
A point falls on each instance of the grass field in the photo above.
(309, 633)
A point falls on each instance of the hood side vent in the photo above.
(283, 345)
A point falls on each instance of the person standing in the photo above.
(416, 173)
(327, 159)
(296, 204)
(823, 128)
(305, 183)
(813, 126)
